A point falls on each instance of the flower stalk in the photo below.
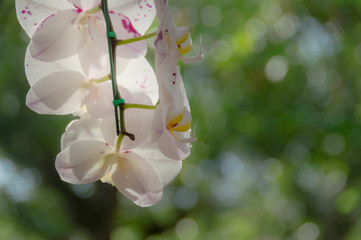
(142, 106)
(112, 44)
(135, 39)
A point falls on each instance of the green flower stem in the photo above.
(95, 10)
(136, 39)
(103, 79)
(119, 142)
(132, 105)
(112, 47)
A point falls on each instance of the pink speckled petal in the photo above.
(124, 29)
(140, 13)
(140, 79)
(58, 37)
(31, 13)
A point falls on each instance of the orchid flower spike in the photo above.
(172, 120)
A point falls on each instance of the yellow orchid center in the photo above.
(184, 43)
(107, 179)
(174, 124)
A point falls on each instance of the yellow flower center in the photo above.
(174, 124)
(184, 43)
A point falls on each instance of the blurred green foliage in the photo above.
(277, 106)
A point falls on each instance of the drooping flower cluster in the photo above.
(68, 68)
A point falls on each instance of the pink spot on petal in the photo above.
(22, 12)
(127, 24)
(78, 9)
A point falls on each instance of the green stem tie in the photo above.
(118, 102)
(111, 35)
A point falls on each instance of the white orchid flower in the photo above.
(91, 151)
(61, 28)
(67, 85)
(172, 121)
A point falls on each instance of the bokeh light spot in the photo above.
(185, 198)
(271, 169)
(256, 28)
(211, 16)
(276, 68)
(307, 231)
(285, 27)
(84, 190)
(187, 229)
(334, 144)
(221, 51)
(335, 181)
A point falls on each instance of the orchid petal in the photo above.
(196, 58)
(140, 13)
(84, 5)
(36, 70)
(140, 79)
(83, 129)
(169, 147)
(83, 162)
(95, 63)
(166, 168)
(132, 50)
(31, 13)
(137, 121)
(136, 179)
(58, 37)
(97, 31)
(124, 29)
(157, 125)
(58, 93)
(100, 101)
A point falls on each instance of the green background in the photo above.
(276, 102)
